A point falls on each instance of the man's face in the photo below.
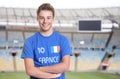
(45, 19)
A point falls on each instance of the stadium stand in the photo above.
(17, 24)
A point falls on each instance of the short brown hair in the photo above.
(46, 6)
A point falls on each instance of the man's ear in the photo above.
(37, 18)
(53, 18)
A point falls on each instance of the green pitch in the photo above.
(69, 75)
(91, 75)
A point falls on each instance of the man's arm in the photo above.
(35, 72)
(63, 66)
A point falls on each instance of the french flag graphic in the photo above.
(55, 49)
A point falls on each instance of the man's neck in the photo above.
(46, 33)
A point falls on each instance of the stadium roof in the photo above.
(23, 12)
(64, 17)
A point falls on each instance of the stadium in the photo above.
(94, 49)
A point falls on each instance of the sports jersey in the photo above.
(46, 51)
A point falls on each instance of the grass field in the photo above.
(69, 75)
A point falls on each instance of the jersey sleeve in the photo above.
(65, 47)
(27, 51)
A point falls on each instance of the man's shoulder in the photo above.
(61, 36)
(32, 37)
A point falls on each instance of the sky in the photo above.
(61, 4)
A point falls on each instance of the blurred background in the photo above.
(92, 27)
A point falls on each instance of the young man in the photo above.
(46, 53)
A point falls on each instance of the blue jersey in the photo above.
(46, 51)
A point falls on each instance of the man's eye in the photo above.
(41, 17)
(49, 18)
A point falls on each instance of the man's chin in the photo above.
(44, 30)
